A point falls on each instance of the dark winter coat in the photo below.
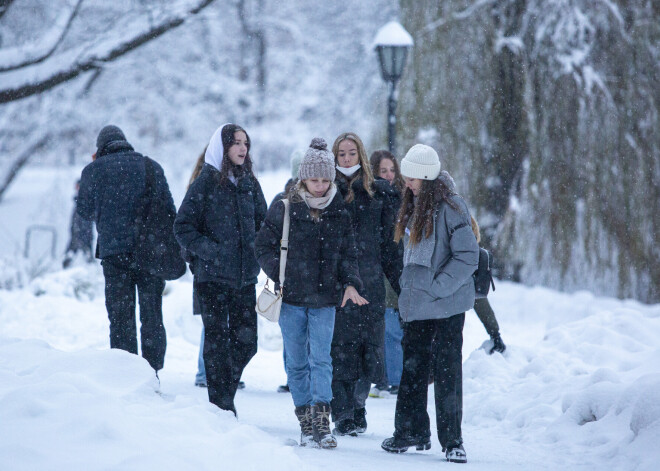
(359, 333)
(322, 257)
(111, 188)
(217, 224)
(81, 232)
(282, 194)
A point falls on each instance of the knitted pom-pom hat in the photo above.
(421, 162)
(318, 161)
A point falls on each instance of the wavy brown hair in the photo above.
(365, 169)
(377, 157)
(198, 167)
(421, 210)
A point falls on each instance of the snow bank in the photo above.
(100, 410)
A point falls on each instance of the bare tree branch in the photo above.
(38, 52)
(4, 6)
(29, 86)
(21, 161)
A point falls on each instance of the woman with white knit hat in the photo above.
(440, 255)
(321, 275)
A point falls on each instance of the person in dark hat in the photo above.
(111, 194)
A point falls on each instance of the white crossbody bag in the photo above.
(269, 301)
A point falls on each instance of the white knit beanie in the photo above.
(318, 161)
(421, 162)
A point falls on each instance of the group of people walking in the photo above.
(359, 228)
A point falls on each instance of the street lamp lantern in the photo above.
(391, 44)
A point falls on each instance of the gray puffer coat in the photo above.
(436, 282)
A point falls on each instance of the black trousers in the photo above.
(411, 418)
(487, 316)
(122, 277)
(230, 337)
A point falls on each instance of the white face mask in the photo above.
(350, 171)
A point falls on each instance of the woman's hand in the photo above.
(352, 294)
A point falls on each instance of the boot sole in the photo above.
(418, 447)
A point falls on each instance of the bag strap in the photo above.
(284, 243)
(145, 200)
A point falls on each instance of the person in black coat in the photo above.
(111, 188)
(81, 235)
(217, 224)
(358, 351)
(321, 274)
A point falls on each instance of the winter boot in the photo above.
(304, 414)
(456, 454)
(321, 424)
(360, 420)
(400, 445)
(498, 345)
(345, 427)
(284, 388)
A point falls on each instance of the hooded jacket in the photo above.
(436, 282)
(218, 221)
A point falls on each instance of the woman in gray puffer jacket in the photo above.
(440, 255)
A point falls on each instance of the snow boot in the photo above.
(379, 392)
(394, 390)
(345, 427)
(284, 388)
(360, 420)
(304, 414)
(241, 385)
(498, 345)
(321, 424)
(400, 445)
(456, 454)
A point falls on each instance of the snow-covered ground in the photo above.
(577, 388)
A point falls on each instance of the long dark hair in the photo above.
(377, 157)
(422, 209)
(228, 140)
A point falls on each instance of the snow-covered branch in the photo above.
(22, 56)
(460, 15)
(42, 76)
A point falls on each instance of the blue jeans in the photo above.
(307, 335)
(201, 371)
(393, 350)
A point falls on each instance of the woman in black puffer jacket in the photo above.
(217, 224)
(321, 268)
(358, 351)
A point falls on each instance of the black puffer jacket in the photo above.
(110, 192)
(322, 258)
(217, 224)
(360, 330)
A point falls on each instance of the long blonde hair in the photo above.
(365, 168)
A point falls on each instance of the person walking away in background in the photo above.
(81, 235)
(384, 165)
(111, 190)
(217, 225)
(358, 350)
(321, 273)
(485, 311)
(296, 158)
(440, 255)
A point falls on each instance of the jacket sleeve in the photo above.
(85, 203)
(189, 222)
(267, 244)
(464, 250)
(260, 206)
(391, 253)
(349, 273)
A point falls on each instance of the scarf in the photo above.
(318, 202)
(350, 171)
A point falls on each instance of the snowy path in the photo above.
(578, 388)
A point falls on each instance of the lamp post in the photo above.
(391, 44)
